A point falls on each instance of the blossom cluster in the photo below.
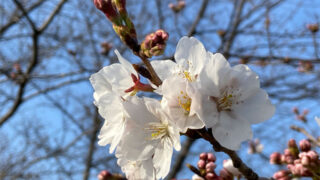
(206, 169)
(199, 89)
(300, 163)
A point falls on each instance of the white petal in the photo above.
(138, 112)
(256, 108)
(205, 108)
(135, 144)
(142, 170)
(231, 131)
(190, 50)
(100, 84)
(228, 164)
(217, 69)
(162, 158)
(126, 64)
(119, 77)
(164, 68)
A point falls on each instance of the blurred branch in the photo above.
(93, 138)
(178, 163)
(309, 136)
(14, 19)
(201, 12)
(34, 60)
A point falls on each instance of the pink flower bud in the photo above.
(211, 157)
(106, 7)
(292, 143)
(210, 167)
(210, 176)
(313, 27)
(104, 175)
(154, 44)
(275, 158)
(201, 164)
(313, 156)
(226, 175)
(305, 160)
(281, 174)
(305, 145)
(203, 156)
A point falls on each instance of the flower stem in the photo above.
(154, 77)
(237, 162)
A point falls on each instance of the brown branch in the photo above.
(233, 31)
(155, 78)
(25, 13)
(201, 12)
(34, 60)
(237, 162)
(15, 19)
(93, 138)
(309, 136)
(53, 14)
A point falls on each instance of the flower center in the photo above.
(228, 98)
(185, 102)
(158, 130)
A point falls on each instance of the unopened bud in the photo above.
(305, 160)
(221, 33)
(295, 110)
(210, 167)
(293, 148)
(313, 156)
(177, 7)
(313, 27)
(155, 43)
(210, 176)
(203, 156)
(105, 48)
(104, 175)
(275, 158)
(107, 8)
(281, 174)
(305, 145)
(211, 157)
(292, 143)
(226, 175)
(201, 164)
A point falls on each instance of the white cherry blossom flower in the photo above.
(110, 108)
(123, 78)
(113, 85)
(149, 134)
(228, 100)
(190, 57)
(177, 103)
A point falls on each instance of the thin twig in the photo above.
(309, 136)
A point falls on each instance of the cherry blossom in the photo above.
(228, 100)
(149, 134)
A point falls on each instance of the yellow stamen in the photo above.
(184, 102)
(158, 130)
